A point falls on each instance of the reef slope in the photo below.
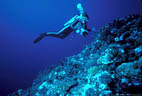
(111, 64)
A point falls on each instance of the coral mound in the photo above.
(112, 64)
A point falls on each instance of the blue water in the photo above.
(22, 20)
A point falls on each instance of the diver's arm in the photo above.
(72, 20)
(80, 9)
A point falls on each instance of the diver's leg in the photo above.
(45, 34)
(62, 33)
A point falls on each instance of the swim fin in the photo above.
(42, 35)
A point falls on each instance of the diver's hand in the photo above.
(42, 35)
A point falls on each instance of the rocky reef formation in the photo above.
(112, 64)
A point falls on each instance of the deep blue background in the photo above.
(22, 20)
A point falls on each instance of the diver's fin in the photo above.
(42, 35)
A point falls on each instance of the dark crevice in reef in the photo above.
(111, 64)
(68, 90)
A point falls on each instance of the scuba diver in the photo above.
(77, 24)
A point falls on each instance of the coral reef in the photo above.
(112, 64)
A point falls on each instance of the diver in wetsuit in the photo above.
(77, 24)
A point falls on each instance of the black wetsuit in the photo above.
(63, 33)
